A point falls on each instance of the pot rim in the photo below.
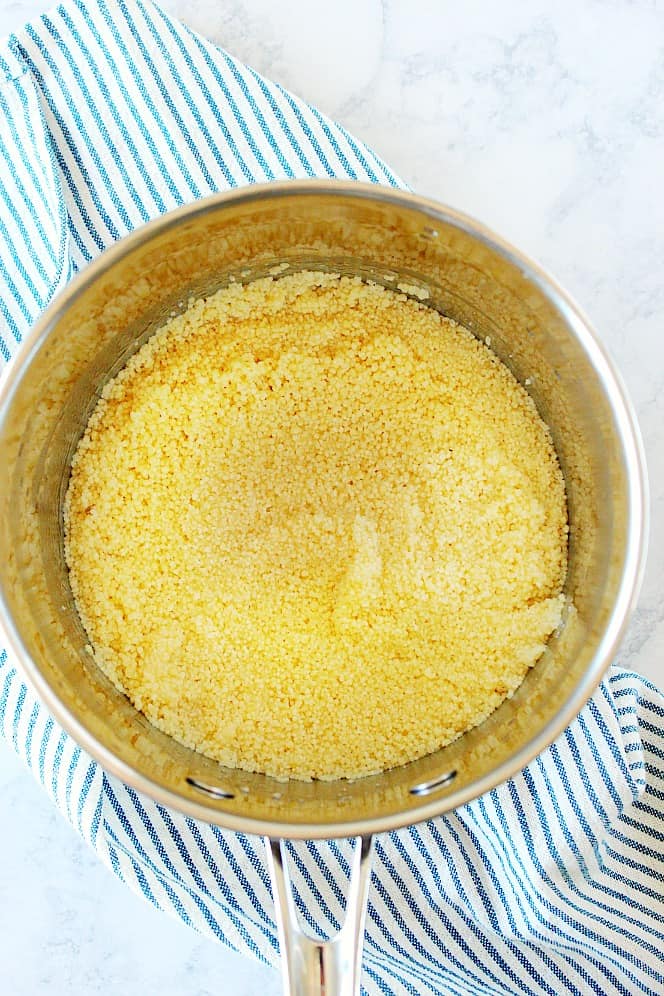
(636, 532)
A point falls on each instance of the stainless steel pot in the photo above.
(394, 238)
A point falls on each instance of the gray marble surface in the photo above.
(545, 120)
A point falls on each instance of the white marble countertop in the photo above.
(547, 122)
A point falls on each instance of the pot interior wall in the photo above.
(94, 330)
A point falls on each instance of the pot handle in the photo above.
(321, 968)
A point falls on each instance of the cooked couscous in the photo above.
(315, 529)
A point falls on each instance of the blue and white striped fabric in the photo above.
(111, 113)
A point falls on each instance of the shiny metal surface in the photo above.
(107, 312)
(321, 968)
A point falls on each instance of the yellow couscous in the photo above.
(315, 529)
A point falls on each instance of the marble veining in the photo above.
(547, 122)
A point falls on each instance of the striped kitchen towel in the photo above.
(110, 114)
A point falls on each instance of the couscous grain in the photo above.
(315, 529)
